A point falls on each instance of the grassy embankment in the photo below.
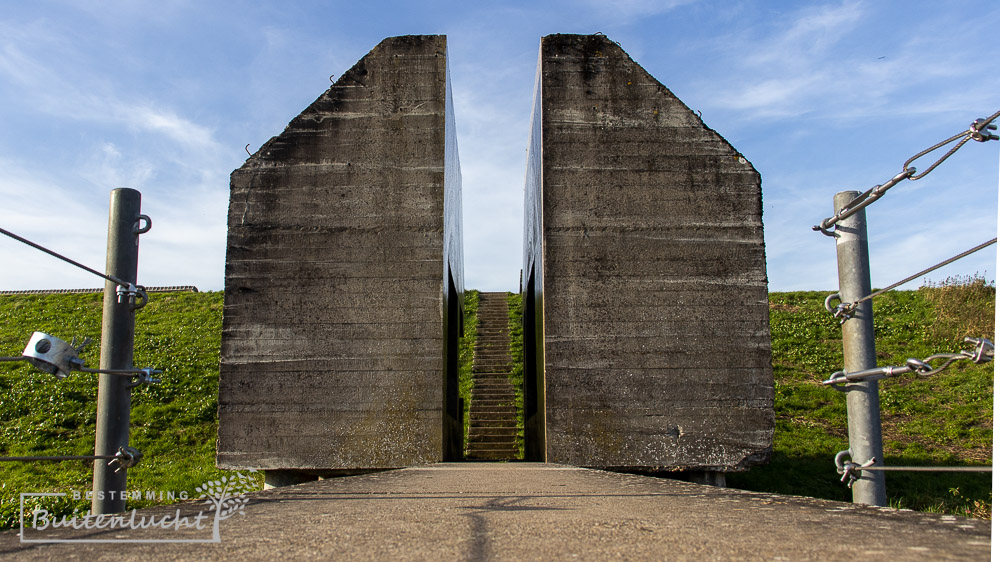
(173, 423)
(946, 419)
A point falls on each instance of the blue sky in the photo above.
(163, 96)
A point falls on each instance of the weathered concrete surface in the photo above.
(646, 295)
(344, 277)
(524, 511)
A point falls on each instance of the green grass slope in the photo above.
(946, 419)
(173, 423)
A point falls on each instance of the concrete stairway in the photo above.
(492, 417)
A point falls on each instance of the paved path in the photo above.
(527, 511)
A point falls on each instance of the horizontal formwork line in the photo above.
(337, 168)
(695, 225)
(429, 407)
(298, 229)
(692, 371)
(582, 303)
(382, 359)
(305, 263)
(296, 281)
(595, 234)
(272, 325)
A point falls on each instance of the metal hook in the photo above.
(141, 292)
(139, 228)
(247, 148)
(332, 81)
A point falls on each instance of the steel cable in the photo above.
(846, 310)
(62, 257)
(978, 131)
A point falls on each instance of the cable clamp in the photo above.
(125, 458)
(130, 292)
(850, 470)
(843, 311)
(983, 353)
(980, 129)
(145, 376)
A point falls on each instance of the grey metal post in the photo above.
(864, 422)
(117, 337)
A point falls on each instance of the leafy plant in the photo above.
(515, 327)
(466, 351)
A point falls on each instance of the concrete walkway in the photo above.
(526, 511)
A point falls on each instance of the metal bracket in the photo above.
(56, 357)
(53, 355)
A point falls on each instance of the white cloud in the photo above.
(622, 12)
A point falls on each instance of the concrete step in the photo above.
(500, 440)
(498, 453)
(480, 410)
(477, 448)
(498, 422)
(492, 434)
(493, 398)
(486, 416)
(499, 393)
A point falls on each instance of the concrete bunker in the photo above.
(645, 288)
(344, 278)
(646, 346)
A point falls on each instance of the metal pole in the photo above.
(864, 422)
(117, 337)
(995, 523)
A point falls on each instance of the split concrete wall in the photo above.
(344, 277)
(647, 339)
